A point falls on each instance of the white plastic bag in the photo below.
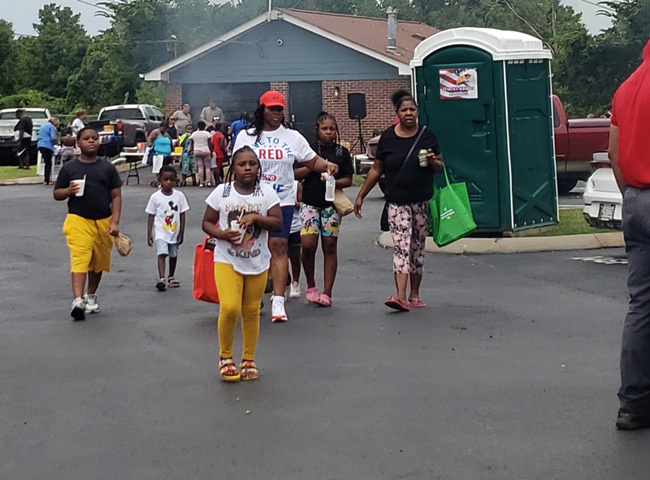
(157, 163)
(145, 157)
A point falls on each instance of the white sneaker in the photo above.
(294, 290)
(78, 310)
(91, 303)
(277, 310)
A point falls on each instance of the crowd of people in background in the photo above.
(270, 206)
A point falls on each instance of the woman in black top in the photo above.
(318, 216)
(409, 187)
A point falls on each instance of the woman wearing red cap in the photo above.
(278, 147)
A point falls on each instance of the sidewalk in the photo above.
(519, 244)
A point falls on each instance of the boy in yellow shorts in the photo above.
(92, 187)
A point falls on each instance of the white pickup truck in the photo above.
(8, 121)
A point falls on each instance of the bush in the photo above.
(34, 99)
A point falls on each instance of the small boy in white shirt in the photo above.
(166, 209)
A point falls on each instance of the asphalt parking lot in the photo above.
(510, 372)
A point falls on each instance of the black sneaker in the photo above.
(628, 420)
(78, 311)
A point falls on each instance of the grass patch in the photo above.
(10, 173)
(572, 222)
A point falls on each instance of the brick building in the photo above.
(316, 59)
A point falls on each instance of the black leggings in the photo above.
(47, 159)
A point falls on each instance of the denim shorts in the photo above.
(287, 220)
(164, 248)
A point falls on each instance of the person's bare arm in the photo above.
(181, 231)
(320, 165)
(371, 180)
(67, 192)
(344, 182)
(301, 172)
(152, 136)
(149, 228)
(116, 209)
(210, 220)
(272, 221)
(613, 156)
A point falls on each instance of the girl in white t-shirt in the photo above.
(278, 149)
(240, 213)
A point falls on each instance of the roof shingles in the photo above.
(371, 33)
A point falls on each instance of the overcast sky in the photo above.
(24, 13)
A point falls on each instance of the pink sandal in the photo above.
(397, 303)
(324, 300)
(417, 303)
(311, 294)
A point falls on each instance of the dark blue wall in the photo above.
(255, 56)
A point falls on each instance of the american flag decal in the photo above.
(458, 83)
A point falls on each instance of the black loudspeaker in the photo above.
(356, 106)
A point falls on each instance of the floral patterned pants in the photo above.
(408, 229)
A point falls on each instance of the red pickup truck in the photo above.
(576, 140)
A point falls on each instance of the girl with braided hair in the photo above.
(318, 216)
(240, 213)
(278, 148)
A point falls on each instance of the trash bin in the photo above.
(486, 94)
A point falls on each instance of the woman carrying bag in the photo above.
(408, 154)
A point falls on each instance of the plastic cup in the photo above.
(82, 186)
(235, 225)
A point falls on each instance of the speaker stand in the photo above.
(359, 140)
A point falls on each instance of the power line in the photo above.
(605, 7)
(94, 5)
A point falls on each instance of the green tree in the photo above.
(105, 75)
(7, 49)
(58, 49)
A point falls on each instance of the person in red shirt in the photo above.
(220, 147)
(629, 144)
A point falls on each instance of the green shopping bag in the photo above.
(451, 213)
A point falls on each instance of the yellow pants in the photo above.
(90, 246)
(238, 295)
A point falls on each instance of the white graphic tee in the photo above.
(167, 210)
(277, 151)
(252, 255)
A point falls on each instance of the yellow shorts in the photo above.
(90, 246)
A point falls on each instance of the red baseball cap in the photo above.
(272, 99)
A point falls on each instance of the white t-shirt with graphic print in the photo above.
(277, 151)
(252, 255)
(167, 210)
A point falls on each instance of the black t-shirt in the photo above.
(313, 188)
(25, 124)
(415, 183)
(172, 132)
(101, 178)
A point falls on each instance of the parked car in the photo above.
(603, 201)
(576, 141)
(8, 143)
(122, 126)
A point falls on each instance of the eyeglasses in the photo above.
(172, 119)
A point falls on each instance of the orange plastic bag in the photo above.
(205, 287)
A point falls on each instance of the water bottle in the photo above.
(330, 186)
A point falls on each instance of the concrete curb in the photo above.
(23, 181)
(519, 244)
(38, 179)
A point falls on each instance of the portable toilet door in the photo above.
(461, 82)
